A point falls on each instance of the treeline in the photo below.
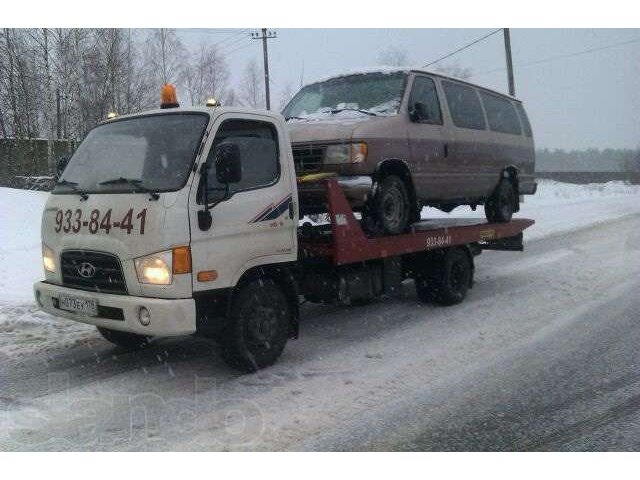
(58, 83)
(589, 160)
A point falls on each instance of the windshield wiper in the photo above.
(338, 110)
(73, 186)
(134, 182)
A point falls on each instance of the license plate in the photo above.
(87, 306)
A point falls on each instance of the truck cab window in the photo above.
(259, 154)
(424, 94)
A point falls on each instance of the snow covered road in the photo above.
(541, 355)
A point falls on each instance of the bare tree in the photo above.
(165, 56)
(206, 75)
(394, 56)
(251, 87)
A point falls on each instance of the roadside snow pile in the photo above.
(20, 247)
(563, 207)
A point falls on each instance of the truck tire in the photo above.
(258, 328)
(503, 203)
(130, 341)
(389, 212)
(446, 278)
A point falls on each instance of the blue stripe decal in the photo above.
(275, 211)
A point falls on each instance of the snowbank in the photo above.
(20, 247)
(562, 207)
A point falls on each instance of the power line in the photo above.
(241, 47)
(462, 48)
(566, 55)
(232, 44)
(209, 31)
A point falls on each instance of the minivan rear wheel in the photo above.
(503, 203)
(389, 212)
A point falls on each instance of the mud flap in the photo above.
(510, 244)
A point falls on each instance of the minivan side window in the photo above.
(424, 92)
(524, 120)
(259, 154)
(501, 114)
(464, 105)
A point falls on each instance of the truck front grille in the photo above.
(308, 158)
(94, 271)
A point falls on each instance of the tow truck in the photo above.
(185, 221)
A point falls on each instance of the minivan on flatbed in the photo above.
(403, 139)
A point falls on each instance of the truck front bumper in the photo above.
(169, 317)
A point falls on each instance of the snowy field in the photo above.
(557, 208)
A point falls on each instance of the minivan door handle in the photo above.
(446, 150)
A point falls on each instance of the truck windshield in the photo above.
(368, 93)
(149, 153)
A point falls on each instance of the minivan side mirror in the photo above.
(228, 163)
(419, 112)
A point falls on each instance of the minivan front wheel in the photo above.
(503, 203)
(390, 210)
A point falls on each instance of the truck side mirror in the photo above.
(228, 164)
(419, 112)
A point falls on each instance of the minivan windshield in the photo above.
(147, 153)
(368, 93)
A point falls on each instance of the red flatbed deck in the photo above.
(346, 242)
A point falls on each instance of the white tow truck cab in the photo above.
(185, 220)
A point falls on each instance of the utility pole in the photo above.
(507, 48)
(264, 36)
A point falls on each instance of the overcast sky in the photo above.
(581, 101)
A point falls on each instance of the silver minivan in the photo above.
(403, 139)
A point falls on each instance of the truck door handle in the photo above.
(446, 150)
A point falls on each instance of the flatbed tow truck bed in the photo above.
(344, 242)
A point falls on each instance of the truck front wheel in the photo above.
(130, 341)
(258, 328)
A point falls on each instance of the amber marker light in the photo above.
(207, 276)
(181, 260)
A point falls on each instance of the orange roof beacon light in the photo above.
(111, 115)
(168, 96)
(212, 102)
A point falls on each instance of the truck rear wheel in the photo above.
(503, 203)
(130, 341)
(389, 211)
(446, 278)
(258, 328)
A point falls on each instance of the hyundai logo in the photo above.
(86, 270)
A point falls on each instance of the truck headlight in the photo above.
(48, 259)
(345, 153)
(159, 268)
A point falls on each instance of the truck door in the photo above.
(427, 139)
(257, 223)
